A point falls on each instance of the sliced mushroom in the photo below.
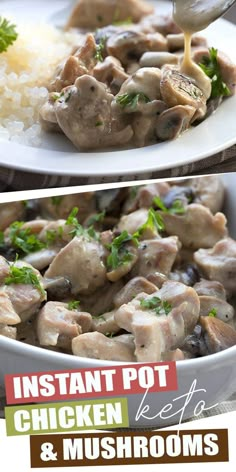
(124, 268)
(111, 73)
(59, 208)
(210, 288)
(178, 89)
(218, 336)
(187, 275)
(223, 310)
(10, 212)
(158, 59)
(97, 346)
(41, 259)
(219, 263)
(175, 42)
(105, 324)
(132, 289)
(56, 319)
(208, 230)
(171, 123)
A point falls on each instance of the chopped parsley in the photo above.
(176, 208)
(23, 239)
(156, 304)
(99, 123)
(119, 255)
(211, 68)
(212, 313)
(24, 275)
(73, 305)
(154, 223)
(96, 218)
(126, 21)
(8, 34)
(131, 99)
(78, 229)
(2, 239)
(57, 200)
(100, 49)
(52, 235)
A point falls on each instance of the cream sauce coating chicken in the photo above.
(140, 274)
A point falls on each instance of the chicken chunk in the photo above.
(10, 212)
(178, 89)
(111, 73)
(97, 346)
(57, 320)
(129, 46)
(143, 196)
(84, 114)
(156, 255)
(7, 331)
(219, 263)
(208, 230)
(132, 222)
(154, 335)
(81, 62)
(171, 123)
(81, 262)
(96, 13)
(61, 206)
(8, 315)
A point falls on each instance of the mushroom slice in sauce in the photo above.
(219, 263)
(178, 89)
(110, 72)
(10, 212)
(158, 332)
(220, 308)
(218, 335)
(174, 121)
(98, 346)
(132, 289)
(210, 289)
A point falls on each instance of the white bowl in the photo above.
(214, 376)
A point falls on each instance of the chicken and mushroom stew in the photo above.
(140, 274)
(128, 82)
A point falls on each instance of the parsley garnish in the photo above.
(98, 123)
(23, 239)
(57, 200)
(2, 239)
(154, 223)
(126, 21)
(73, 305)
(119, 255)
(8, 34)
(100, 48)
(176, 208)
(211, 68)
(212, 313)
(156, 304)
(78, 229)
(24, 275)
(96, 218)
(131, 99)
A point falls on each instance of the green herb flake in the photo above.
(213, 313)
(98, 123)
(2, 239)
(99, 217)
(126, 21)
(24, 275)
(154, 223)
(56, 201)
(119, 255)
(100, 18)
(23, 239)
(210, 66)
(131, 99)
(78, 229)
(73, 305)
(8, 34)
(156, 304)
(176, 208)
(100, 49)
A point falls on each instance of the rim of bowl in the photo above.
(18, 347)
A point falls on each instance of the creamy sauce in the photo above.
(193, 16)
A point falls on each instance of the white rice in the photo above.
(25, 70)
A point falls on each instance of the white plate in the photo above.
(58, 156)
